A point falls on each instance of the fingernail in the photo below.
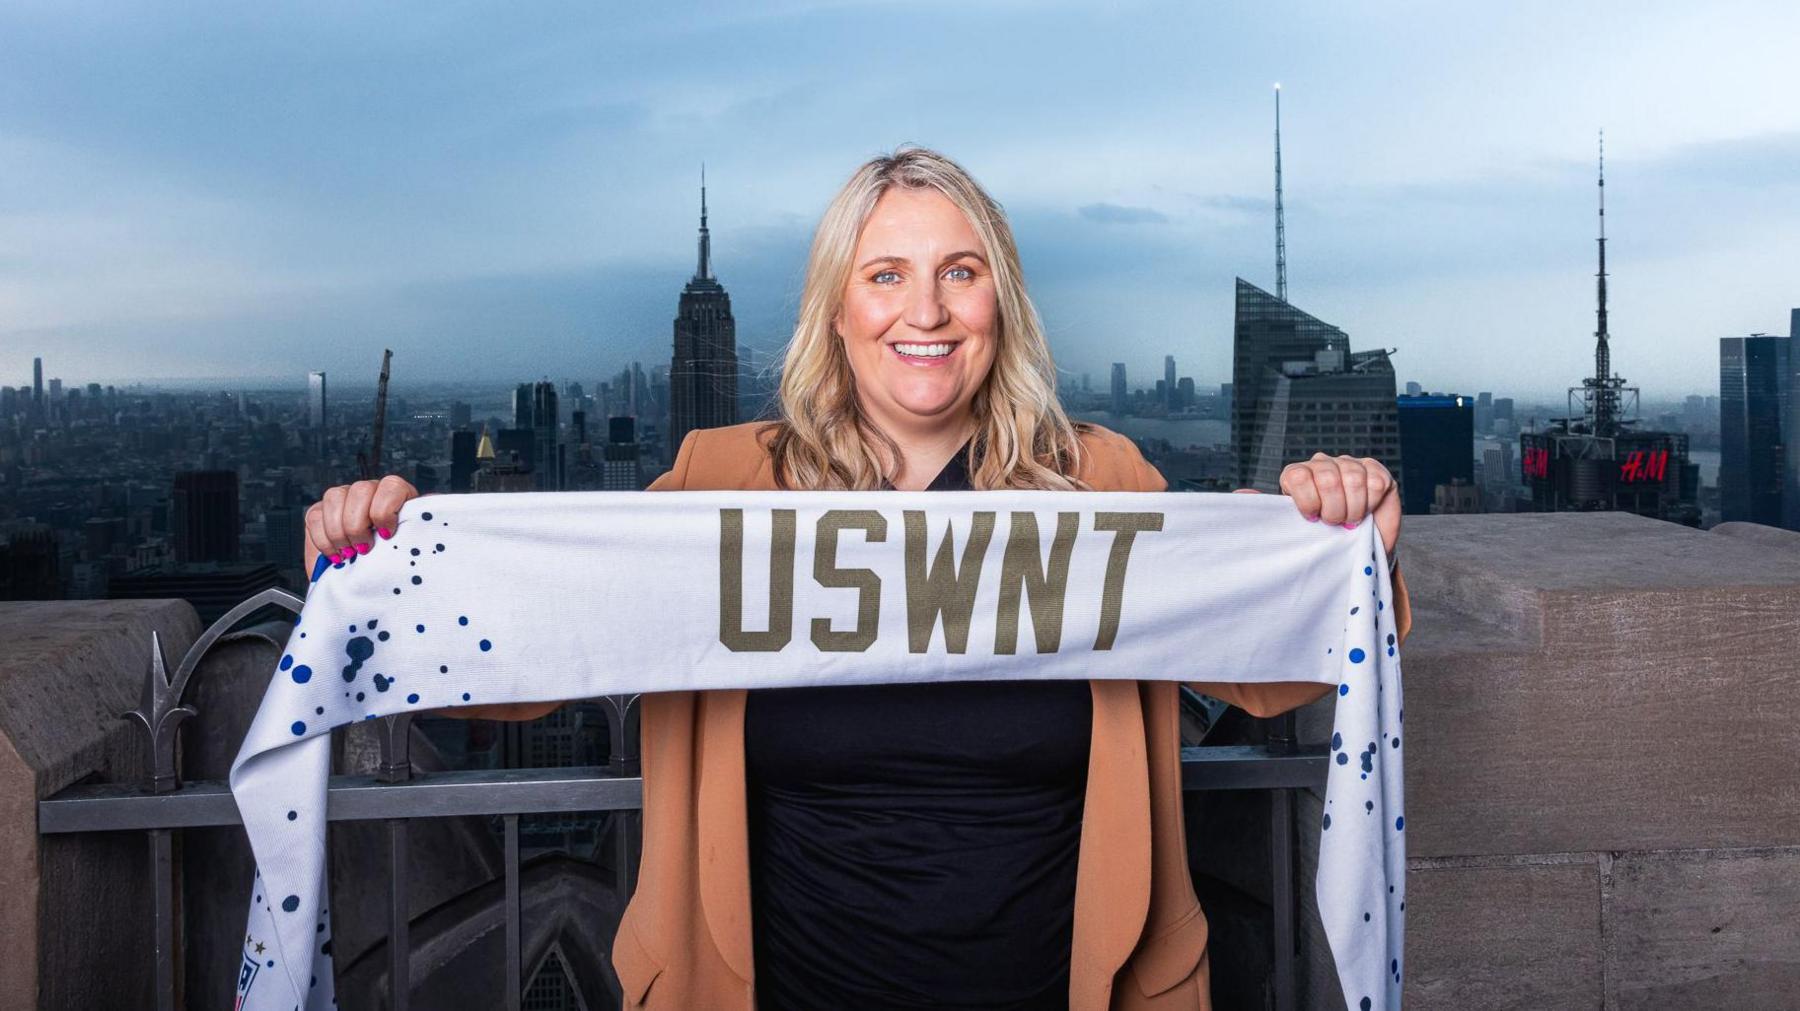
(385, 533)
(337, 559)
(1312, 519)
(365, 547)
(320, 564)
(1350, 525)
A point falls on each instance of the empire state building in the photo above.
(703, 375)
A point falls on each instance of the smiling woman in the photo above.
(915, 331)
(1005, 844)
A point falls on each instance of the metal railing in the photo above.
(163, 805)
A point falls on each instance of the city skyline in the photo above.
(481, 199)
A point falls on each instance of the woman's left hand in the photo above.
(1344, 489)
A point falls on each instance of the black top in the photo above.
(914, 845)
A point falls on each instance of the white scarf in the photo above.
(525, 597)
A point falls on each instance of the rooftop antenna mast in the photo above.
(1604, 388)
(1280, 217)
(704, 272)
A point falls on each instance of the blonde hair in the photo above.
(823, 441)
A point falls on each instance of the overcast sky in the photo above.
(510, 191)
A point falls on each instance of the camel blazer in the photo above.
(1139, 937)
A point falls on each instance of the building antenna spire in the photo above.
(704, 273)
(1604, 406)
(1280, 215)
(1600, 307)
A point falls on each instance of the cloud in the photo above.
(509, 192)
(1114, 214)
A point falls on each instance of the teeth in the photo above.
(924, 350)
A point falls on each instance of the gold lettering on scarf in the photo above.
(1112, 595)
(937, 587)
(864, 581)
(1022, 571)
(731, 584)
(942, 588)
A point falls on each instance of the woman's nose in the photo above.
(925, 308)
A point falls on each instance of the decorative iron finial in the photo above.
(160, 713)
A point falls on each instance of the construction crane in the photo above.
(368, 464)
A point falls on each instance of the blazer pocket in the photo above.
(1170, 957)
(633, 964)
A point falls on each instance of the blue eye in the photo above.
(878, 277)
(969, 274)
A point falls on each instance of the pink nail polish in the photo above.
(1351, 525)
(336, 557)
(364, 548)
(385, 533)
(1312, 519)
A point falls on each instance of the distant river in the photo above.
(1181, 434)
(1708, 459)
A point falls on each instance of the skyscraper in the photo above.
(1169, 394)
(37, 388)
(463, 446)
(284, 535)
(205, 516)
(621, 466)
(315, 409)
(1436, 433)
(1299, 389)
(1602, 458)
(1790, 493)
(546, 458)
(1754, 377)
(703, 372)
(315, 400)
(1119, 393)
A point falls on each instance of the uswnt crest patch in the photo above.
(247, 972)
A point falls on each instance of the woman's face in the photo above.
(919, 313)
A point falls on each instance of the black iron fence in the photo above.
(163, 806)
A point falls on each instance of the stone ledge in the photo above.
(68, 669)
(1704, 929)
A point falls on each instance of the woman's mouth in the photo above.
(925, 355)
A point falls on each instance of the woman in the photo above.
(993, 845)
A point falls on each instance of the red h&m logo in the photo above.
(1536, 461)
(1644, 466)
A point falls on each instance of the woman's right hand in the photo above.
(349, 517)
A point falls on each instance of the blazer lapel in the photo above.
(722, 819)
(723, 826)
(1112, 878)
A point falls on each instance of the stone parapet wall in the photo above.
(1602, 741)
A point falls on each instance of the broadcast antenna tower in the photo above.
(704, 271)
(1601, 391)
(1280, 219)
